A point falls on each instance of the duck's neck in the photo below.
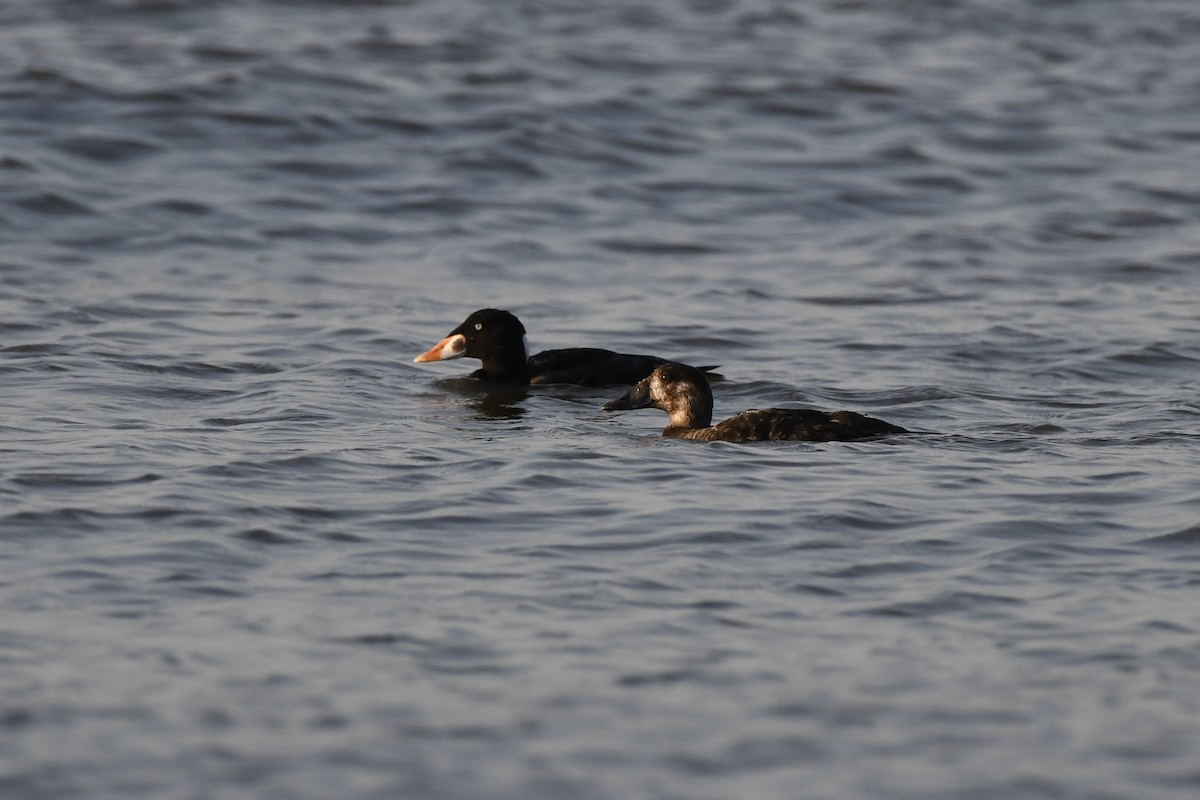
(507, 363)
(691, 413)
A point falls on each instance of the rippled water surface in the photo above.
(249, 549)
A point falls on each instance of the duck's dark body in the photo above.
(497, 338)
(683, 392)
(789, 424)
(589, 366)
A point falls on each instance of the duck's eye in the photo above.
(478, 326)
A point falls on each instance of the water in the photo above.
(251, 550)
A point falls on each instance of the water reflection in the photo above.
(489, 401)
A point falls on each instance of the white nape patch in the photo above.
(525, 344)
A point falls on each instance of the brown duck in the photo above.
(683, 393)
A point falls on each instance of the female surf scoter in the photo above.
(497, 338)
(683, 393)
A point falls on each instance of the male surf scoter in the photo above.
(497, 338)
(683, 393)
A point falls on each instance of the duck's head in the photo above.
(488, 333)
(677, 389)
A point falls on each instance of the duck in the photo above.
(497, 338)
(683, 392)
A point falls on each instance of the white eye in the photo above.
(478, 326)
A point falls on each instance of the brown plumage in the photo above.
(683, 393)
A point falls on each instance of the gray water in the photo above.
(250, 550)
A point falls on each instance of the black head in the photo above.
(491, 335)
(489, 329)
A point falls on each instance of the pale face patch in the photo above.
(451, 347)
(658, 389)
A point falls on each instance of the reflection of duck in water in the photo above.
(497, 338)
(683, 393)
(488, 400)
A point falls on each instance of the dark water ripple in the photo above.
(251, 549)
